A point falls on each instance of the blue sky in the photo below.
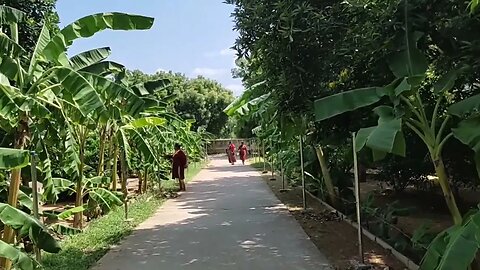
(189, 36)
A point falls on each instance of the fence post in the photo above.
(33, 169)
(357, 197)
(264, 158)
(304, 197)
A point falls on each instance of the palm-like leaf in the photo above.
(10, 47)
(9, 15)
(88, 58)
(454, 248)
(13, 158)
(337, 104)
(87, 27)
(79, 92)
(104, 68)
(19, 259)
(27, 225)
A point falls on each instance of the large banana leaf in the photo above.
(10, 47)
(150, 87)
(465, 107)
(243, 99)
(454, 248)
(87, 27)
(27, 225)
(143, 146)
(105, 198)
(246, 108)
(386, 137)
(10, 68)
(146, 122)
(19, 259)
(9, 109)
(72, 159)
(13, 158)
(409, 61)
(88, 58)
(337, 104)
(43, 39)
(70, 212)
(9, 15)
(65, 230)
(116, 92)
(446, 82)
(104, 68)
(79, 91)
(468, 132)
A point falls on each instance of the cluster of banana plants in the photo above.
(51, 101)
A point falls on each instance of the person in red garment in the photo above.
(231, 153)
(242, 151)
(178, 166)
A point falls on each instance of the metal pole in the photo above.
(282, 171)
(357, 197)
(263, 155)
(206, 151)
(304, 197)
(272, 164)
(33, 168)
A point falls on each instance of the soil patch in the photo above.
(332, 236)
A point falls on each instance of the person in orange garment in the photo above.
(231, 153)
(179, 163)
(242, 151)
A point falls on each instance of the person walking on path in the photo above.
(231, 153)
(179, 163)
(242, 151)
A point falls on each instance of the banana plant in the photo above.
(28, 86)
(406, 110)
(23, 224)
(456, 247)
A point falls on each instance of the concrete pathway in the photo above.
(228, 219)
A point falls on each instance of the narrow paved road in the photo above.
(228, 219)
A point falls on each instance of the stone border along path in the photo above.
(228, 219)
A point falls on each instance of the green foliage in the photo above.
(201, 99)
(81, 251)
(19, 259)
(456, 247)
(27, 225)
(13, 158)
(35, 14)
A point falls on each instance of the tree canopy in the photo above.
(199, 98)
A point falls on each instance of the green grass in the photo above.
(257, 163)
(81, 251)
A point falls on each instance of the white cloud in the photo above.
(209, 72)
(237, 89)
(226, 52)
(161, 70)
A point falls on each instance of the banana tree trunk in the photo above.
(123, 177)
(446, 189)
(326, 175)
(145, 178)
(140, 182)
(101, 151)
(78, 217)
(114, 167)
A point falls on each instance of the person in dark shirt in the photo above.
(179, 163)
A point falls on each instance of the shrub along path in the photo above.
(228, 219)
